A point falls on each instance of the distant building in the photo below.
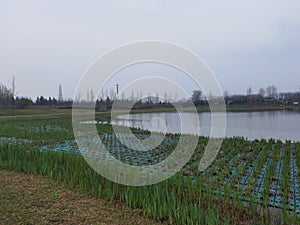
(270, 100)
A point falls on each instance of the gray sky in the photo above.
(245, 43)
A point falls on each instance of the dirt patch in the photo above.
(32, 199)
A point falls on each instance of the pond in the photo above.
(283, 125)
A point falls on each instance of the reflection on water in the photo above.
(275, 124)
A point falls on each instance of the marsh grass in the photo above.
(190, 197)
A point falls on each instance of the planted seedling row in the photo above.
(275, 197)
(252, 170)
(295, 198)
(257, 181)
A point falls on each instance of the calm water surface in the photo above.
(281, 125)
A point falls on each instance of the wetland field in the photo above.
(250, 181)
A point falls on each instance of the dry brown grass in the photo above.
(32, 199)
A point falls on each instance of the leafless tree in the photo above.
(249, 91)
(132, 96)
(6, 95)
(92, 95)
(112, 94)
(226, 94)
(271, 91)
(262, 92)
(87, 96)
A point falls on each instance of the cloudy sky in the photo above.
(245, 43)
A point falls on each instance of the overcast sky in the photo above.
(246, 43)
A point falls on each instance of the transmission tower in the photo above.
(60, 95)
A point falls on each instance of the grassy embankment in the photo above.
(204, 108)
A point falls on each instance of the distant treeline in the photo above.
(9, 100)
(267, 95)
(51, 101)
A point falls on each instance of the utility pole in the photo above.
(117, 88)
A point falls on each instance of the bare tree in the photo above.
(102, 94)
(170, 98)
(249, 94)
(132, 96)
(6, 95)
(249, 91)
(87, 96)
(92, 95)
(149, 99)
(78, 97)
(271, 91)
(141, 96)
(226, 94)
(112, 94)
(262, 92)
